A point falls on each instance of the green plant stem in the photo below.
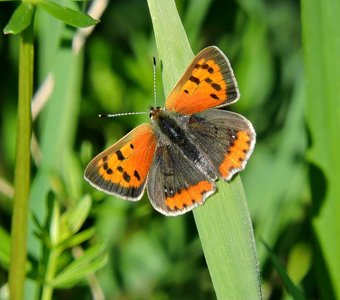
(51, 268)
(22, 167)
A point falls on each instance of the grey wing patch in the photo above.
(175, 185)
(226, 138)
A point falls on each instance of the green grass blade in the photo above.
(172, 44)
(228, 242)
(223, 222)
(292, 289)
(321, 23)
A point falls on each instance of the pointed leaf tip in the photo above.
(20, 19)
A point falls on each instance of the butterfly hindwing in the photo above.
(175, 185)
(123, 168)
(225, 137)
(208, 82)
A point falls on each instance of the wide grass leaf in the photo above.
(321, 42)
(223, 222)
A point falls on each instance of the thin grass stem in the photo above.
(22, 167)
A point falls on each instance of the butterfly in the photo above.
(186, 147)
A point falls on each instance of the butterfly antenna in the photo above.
(139, 112)
(122, 114)
(154, 82)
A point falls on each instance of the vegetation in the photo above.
(82, 243)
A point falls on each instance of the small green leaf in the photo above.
(67, 15)
(291, 288)
(75, 217)
(44, 238)
(40, 231)
(77, 239)
(92, 260)
(76, 273)
(20, 19)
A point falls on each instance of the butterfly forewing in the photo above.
(123, 168)
(208, 82)
(226, 138)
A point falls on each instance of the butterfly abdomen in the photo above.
(169, 129)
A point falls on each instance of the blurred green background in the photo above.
(153, 257)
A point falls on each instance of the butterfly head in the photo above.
(154, 112)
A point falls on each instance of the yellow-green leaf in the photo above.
(21, 18)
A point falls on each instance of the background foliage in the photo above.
(151, 256)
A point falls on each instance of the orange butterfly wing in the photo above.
(208, 82)
(123, 168)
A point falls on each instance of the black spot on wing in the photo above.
(136, 174)
(214, 96)
(216, 86)
(203, 192)
(120, 155)
(107, 169)
(194, 80)
(126, 177)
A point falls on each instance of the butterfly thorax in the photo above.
(171, 130)
(167, 123)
